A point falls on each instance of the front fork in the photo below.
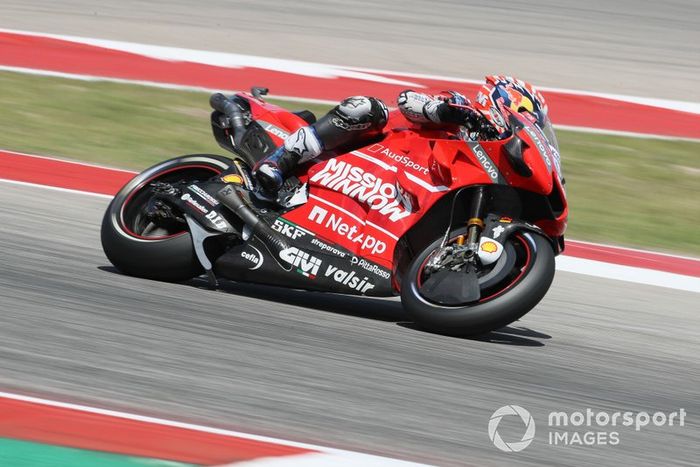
(453, 271)
(465, 248)
(475, 224)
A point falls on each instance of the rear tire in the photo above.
(169, 256)
(493, 313)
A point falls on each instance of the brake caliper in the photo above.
(158, 211)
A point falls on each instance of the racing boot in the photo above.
(301, 146)
(271, 172)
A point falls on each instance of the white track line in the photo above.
(634, 250)
(313, 69)
(182, 87)
(627, 134)
(226, 59)
(683, 106)
(333, 456)
(321, 70)
(55, 188)
(316, 459)
(67, 161)
(155, 84)
(619, 272)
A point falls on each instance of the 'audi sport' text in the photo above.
(402, 159)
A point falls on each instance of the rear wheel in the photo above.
(509, 288)
(138, 247)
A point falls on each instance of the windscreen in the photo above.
(546, 126)
(548, 131)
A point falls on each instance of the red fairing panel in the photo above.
(277, 121)
(367, 199)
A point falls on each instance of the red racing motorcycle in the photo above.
(464, 230)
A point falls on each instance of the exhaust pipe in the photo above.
(274, 242)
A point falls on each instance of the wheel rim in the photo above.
(521, 245)
(132, 215)
(523, 264)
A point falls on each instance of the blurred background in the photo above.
(621, 46)
(333, 370)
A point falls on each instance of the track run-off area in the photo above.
(86, 58)
(82, 345)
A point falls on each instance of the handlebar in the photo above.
(223, 104)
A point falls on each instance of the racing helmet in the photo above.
(515, 94)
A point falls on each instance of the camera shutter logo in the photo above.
(524, 416)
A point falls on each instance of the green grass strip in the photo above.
(15, 453)
(627, 191)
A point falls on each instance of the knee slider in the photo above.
(360, 113)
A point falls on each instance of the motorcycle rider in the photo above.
(357, 119)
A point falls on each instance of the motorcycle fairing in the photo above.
(316, 264)
(365, 200)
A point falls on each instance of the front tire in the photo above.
(164, 254)
(500, 307)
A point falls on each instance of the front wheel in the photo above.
(506, 295)
(137, 246)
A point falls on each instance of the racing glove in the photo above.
(451, 108)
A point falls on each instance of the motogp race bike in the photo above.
(465, 231)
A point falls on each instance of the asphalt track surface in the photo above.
(630, 47)
(349, 372)
(334, 370)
